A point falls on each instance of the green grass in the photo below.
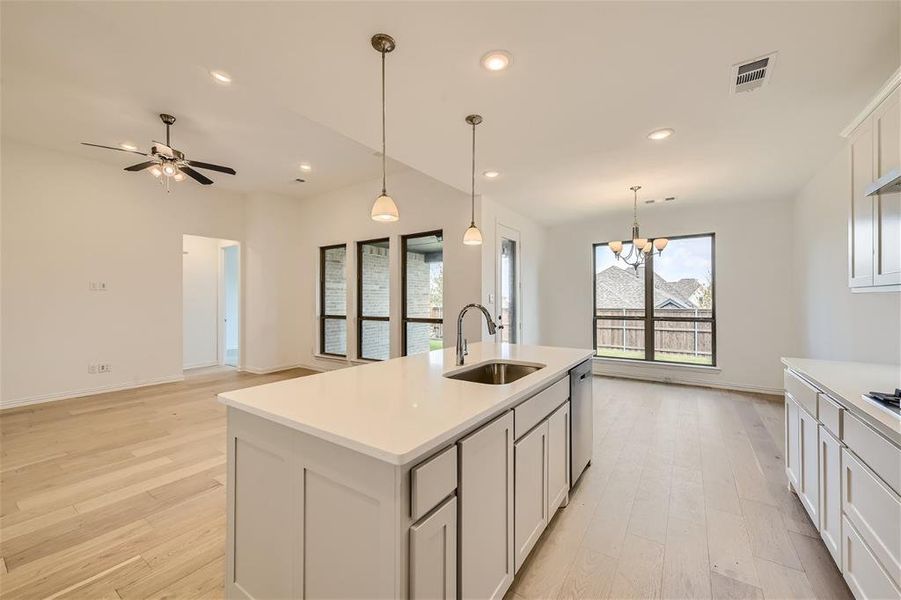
(669, 357)
(435, 344)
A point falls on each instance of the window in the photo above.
(662, 312)
(373, 295)
(333, 300)
(422, 292)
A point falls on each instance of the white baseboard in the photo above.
(202, 365)
(688, 380)
(17, 402)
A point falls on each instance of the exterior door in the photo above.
(509, 284)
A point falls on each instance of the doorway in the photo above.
(509, 284)
(211, 297)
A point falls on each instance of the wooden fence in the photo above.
(692, 338)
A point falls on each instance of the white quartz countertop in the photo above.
(399, 410)
(846, 382)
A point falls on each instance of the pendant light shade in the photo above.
(472, 236)
(384, 209)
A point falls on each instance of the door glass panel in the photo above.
(509, 289)
(424, 277)
(424, 337)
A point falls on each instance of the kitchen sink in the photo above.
(495, 372)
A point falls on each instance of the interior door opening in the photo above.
(211, 302)
(508, 285)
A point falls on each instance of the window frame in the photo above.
(360, 317)
(404, 319)
(649, 319)
(322, 314)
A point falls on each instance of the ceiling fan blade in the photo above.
(198, 177)
(203, 165)
(141, 166)
(114, 148)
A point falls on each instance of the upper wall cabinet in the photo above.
(874, 225)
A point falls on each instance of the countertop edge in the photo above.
(414, 454)
(851, 405)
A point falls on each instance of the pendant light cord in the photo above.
(472, 215)
(384, 156)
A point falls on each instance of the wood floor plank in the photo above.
(729, 547)
(825, 580)
(769, 537)
(778, 581)
(726, 588)
(639, 569)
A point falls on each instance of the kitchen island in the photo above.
(393, 480)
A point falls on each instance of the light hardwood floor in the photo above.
(121, 495)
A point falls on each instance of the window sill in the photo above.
(654, 364)
(346, 360)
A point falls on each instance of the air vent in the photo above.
(753, 74)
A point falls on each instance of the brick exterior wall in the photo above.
(376, 297)
(418, 276)
(335, 300)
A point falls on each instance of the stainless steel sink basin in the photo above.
(495, 372)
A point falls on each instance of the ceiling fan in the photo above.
(169, 162)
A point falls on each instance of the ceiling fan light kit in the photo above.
(384, 209)
(167, 161)
(641, 248)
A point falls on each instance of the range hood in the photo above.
(888, 183)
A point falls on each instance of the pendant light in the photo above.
(384, 209)
(473, 237)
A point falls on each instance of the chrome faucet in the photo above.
(462, 349)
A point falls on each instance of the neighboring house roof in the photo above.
(623, 288)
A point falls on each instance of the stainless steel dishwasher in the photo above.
(582, 425)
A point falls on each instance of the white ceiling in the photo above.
(565, 125)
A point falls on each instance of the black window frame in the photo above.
(360, 317)
(404, 319)
(322, 314)
(649, 319)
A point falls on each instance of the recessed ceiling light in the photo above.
(497, 60)
(127, 146)
(661, 134)
(490, 174)
(221, 77)
(306, 167)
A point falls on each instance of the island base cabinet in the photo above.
(863, 573)
(809, 489)
(792, 442)
(531, 492)
(485, 495)
(433, 554)
(558, 453)
(831, 494)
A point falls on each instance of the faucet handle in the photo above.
(500, 322)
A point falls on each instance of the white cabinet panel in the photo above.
(433, 555)
(875, 511)
(531, 492)
(809, 490)
(486, 510)
(558, 458)
(860, 225)
(865, 576)
(793, 442)
(831, 494)
(432, 481)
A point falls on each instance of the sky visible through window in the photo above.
(682, 258)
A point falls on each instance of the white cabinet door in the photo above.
(486, 510)
(860, 224)
(831, 494)
(558, 458)
(433, 554)
(530, 490)
(887, 207)
(809, 490)
(792, 443)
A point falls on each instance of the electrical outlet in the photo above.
(95, 368)
(92, 368)
(97, 286)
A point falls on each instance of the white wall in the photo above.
(68, 220)
(753, 288)
(531, 256)
(834, 323)
(200, 301)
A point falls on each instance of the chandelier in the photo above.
(641, 248)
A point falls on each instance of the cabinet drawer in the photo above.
(432, 481)
(803, 393)
(534, 410)
(865, 576)
(830, 414)
(875, 512)
(883, 457)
